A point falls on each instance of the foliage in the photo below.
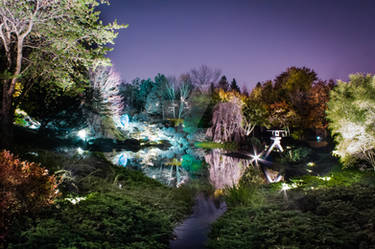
(154, 100)
(54, 108)
(295, 99)
(234, 86)
(318, 98)
(105, 221)
(296, 155)
(57, 40)
(103, 103)
(351, 118)
(255, 113)
(123, 209)
(223, 83)
(337, 218)
(244, 195)
(25, 189)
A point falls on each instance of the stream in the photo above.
(193, 232)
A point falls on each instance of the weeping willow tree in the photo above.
(227, 122)
(351, 115)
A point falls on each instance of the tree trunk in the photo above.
(6, 118)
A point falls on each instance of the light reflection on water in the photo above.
(223, 170)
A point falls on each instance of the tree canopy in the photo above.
(351, 114)
(56, 40)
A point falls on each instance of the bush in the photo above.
(25, 188)
(339, 218)
(100, 221)
(296, 155)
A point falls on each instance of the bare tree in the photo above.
(203, 76)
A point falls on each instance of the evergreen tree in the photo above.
(234, 86)
(223, 83)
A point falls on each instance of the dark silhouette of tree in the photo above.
(223, 83)
(203, 76)
(234, 86)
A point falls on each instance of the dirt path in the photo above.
(192, 233)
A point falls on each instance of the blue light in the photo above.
(318, 138)
(124, 120)
(123, 160)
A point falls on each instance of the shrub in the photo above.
(296, 155)
(100, 221)
(24, 188)
(340, 218)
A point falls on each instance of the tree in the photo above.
(255, 113)
(226, 122)
(203, 76)
(282, 115)
(317, 100)
(57, 40)
(293, 86)
(54, 108)
(351, 115)
(103, 101)
(154, 100)
(223, 83)
(234, 86)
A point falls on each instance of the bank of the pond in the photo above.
(102, 206)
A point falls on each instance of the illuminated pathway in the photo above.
(192, 233)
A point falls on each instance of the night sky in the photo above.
(251, 40)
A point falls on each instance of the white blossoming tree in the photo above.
(351, 114)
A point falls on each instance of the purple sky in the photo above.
(250, 40)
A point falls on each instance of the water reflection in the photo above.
(224, 171)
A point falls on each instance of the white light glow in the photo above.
(82, 134)
(80, 151)
(75, 200)
(325, 178)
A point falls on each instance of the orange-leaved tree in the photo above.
(25, 188)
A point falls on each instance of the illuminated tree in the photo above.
(227, 122)
(282, 115)
(154, 100)
(25, 189)
(351, 115)
(317, 100)
(103, 101)
(52, 39)
(254, 114)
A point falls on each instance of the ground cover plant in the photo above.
(312, 212)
